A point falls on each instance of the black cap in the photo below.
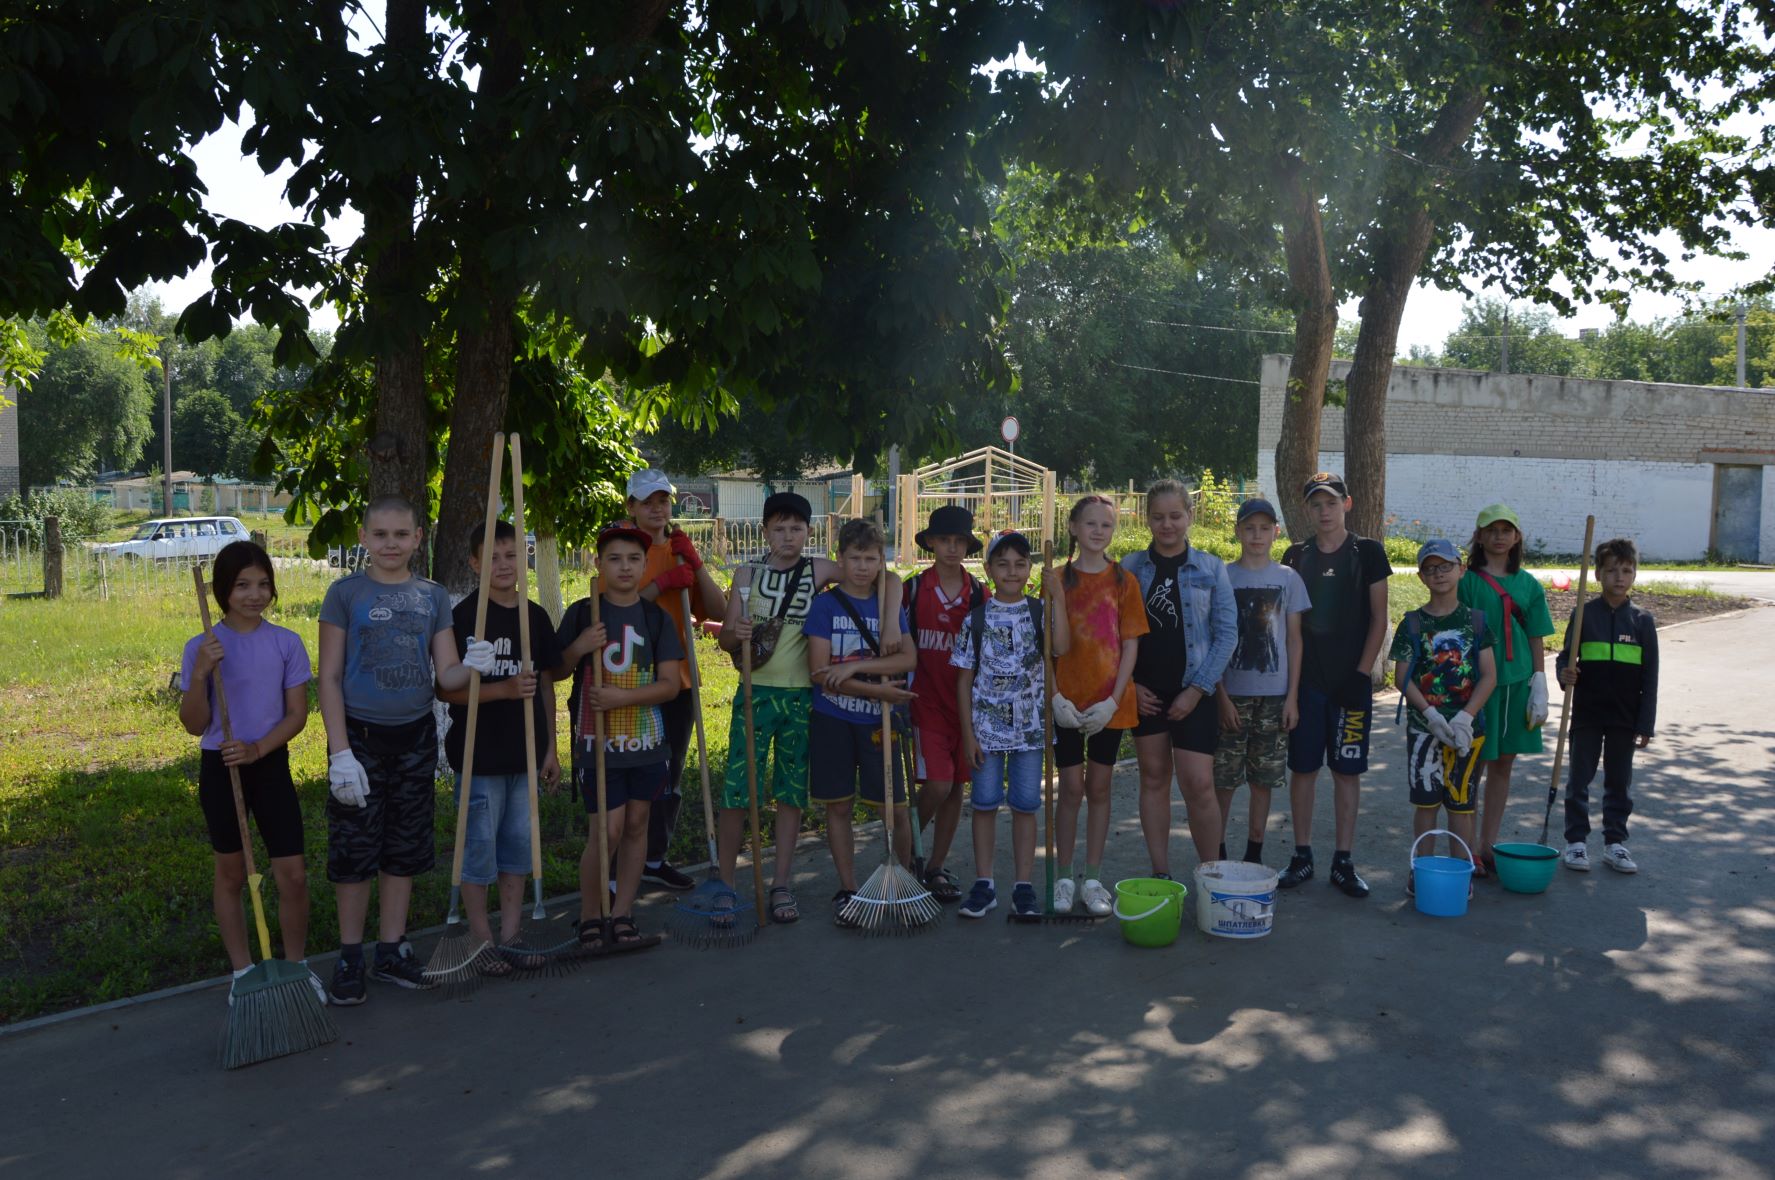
(1325, 481)
(951, 520)
(788, 504)
(1256, 507)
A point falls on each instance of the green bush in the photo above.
(82, 516)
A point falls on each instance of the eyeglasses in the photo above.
(1439, 569)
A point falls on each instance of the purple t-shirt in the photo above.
(256, 669)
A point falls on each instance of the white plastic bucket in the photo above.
(1235, 899)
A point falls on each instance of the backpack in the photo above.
(1413, 626)
(977, 625)
(976, 595)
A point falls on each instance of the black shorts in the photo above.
(1071, 747)
(679, 715)
(270, 796)
(1198, 733)
(844, 760)
(622, 784)
(392, 832)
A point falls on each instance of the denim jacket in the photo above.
(1210, 618)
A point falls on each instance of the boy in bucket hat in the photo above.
(938, 599)
(1346, 578)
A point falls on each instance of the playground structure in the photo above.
(1001, 489)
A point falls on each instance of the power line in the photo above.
(1219, 328)
(1177, 373)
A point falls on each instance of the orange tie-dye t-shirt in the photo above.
(1102, 610)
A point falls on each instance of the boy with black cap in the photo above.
(1346, 579)
(673, 566)
(766, 608)
(938, 600)
(1257, 694)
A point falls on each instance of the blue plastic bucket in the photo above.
(1441, 882)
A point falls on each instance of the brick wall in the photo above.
(9, 442)
(1639, 456)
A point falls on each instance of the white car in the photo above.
(181, 538)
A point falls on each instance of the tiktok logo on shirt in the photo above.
(619, 657)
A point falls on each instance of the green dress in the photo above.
(1506, 724)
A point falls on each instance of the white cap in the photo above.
(647, 481)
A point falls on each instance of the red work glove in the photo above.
(684, 551)
(679, 577)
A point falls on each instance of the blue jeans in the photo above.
(1024, 770)
(498, 828)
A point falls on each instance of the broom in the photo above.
(1048, 916)
(454, 960)
(752, 760)
(713, 915)
(274, 1010)
(892, 900)
(564, 957)
(1571, 655)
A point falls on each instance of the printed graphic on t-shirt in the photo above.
(632, 729)
(396, 643)
(769, 586)
(1007, 704)
(1443, 660)
(1259, 609)
(1163, 603)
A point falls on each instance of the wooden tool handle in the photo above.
(887, 713)
(696, 713)
(598, 756)
(524, 663)
(474, 677)
(1048, 713)
(1572, 646)
(752, 761)
(240, 803)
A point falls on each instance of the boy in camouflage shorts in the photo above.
(1257, 695)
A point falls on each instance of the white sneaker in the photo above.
(1617, 858)
(1577, 857)
(234, 980)
(1097, 899)
(1064, 890)
(320, 989)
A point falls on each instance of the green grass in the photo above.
(105, 872)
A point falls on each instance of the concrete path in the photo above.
(1613, 1026)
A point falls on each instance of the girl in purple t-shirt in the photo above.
(265, 674)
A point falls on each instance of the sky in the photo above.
(238, 188)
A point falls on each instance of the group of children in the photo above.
(1243, 674)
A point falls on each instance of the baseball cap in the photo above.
(1441, 547)
(1492, 513)
(647, 481)
(1325, 481)
(1254, 508)
(1016, 540)
(623, 532)
(950, 520)
(788, 504)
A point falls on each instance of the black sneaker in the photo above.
(1300, 868)
(1343, 875)
(348, 983)
(402, 969)
(667, 877)
(1023, 901)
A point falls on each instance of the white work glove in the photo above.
(1537, 699)
(479, 656)
(1462, 725)
(1092, 720)
(1066, 714)
(1439, 728)
(346, 779)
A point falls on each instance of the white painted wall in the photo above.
(1665, 507)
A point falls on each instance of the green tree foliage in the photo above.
(1536, 343)
(206, 433)
(86, 410)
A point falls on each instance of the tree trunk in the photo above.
(1315, 328)
(400, 448)
(483, 387)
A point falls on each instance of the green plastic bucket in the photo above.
(1151, 910)
(1525, 868)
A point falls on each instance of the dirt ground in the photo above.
(1665, 608)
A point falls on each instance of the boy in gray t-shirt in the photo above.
(385, 640)
(1257, 694)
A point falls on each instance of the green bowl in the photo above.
(1525, 868)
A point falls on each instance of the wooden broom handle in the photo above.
(474, 677)
(598, 771)
(1572, 645)
(240, 803)
(1047, 713)
(745, 593)
(517, 446)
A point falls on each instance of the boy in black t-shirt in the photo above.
(498, 843)
(641, 652)
(1346, 578)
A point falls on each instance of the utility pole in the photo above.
(1741, 314)
(166, 426)
(1504, 344)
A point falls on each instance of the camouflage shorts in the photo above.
(1258, 753)
(392, 832)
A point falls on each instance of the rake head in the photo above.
(275, 1012)
(528, 962)
(712, 917)
(1052, 919)
(454, 966)
(891, 901)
